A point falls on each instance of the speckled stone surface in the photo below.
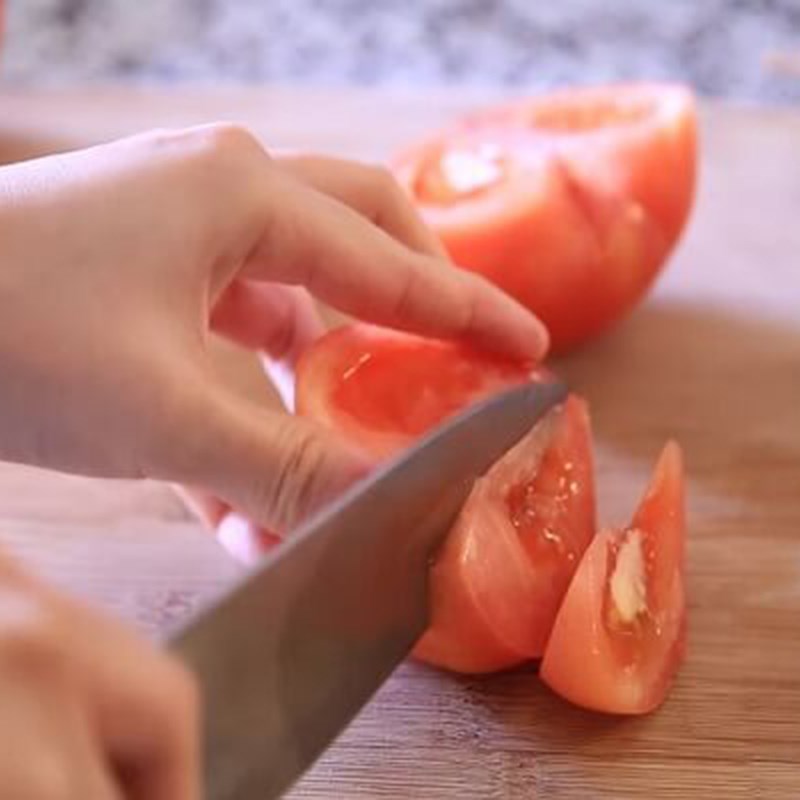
(720, 46)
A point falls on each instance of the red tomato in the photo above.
(498, 580)
(619, 636)
(571, 202)
(383, 389)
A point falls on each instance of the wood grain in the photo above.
(713, 359)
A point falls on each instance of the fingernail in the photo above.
(531, 337)
(541, 338)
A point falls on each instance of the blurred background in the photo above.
(740, 49)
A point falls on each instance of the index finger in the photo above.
(370, 190)
(315, 241)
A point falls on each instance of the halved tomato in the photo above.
(497, 582)
(619, 636)
(571, 201)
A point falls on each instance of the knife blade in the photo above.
(288, 656)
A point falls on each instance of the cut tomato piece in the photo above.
(499, 578)
(383, 389)
(571, 202)
(619, 636)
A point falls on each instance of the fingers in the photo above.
(157, 741)
(372, 192)
(146, 708)
(95, 775)
(49, 742)
(47, 747)
(279, 321)
(344, 260)
(279, 469)
(275, 468)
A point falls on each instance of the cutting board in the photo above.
(712, 358)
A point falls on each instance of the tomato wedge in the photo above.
(383, 389)
(571, 201)
(619, 636)
(497, 582)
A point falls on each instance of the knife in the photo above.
(287, 657)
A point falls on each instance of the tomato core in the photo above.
(453, 174)
(628, 616)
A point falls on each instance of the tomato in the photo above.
(571, 201)
(383, 389)
(619, 636)
(498, 580)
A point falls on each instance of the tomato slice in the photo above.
(571, 201)
(619, 636)
(498, 580)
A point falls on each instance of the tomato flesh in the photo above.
(431, 385)
(571, 202)
(619, 635)
(383, 389)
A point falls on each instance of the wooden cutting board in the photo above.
(712, 358)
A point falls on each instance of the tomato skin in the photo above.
(595, 665)
(474, 628)
(586, 211)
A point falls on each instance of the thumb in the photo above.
(275, 468)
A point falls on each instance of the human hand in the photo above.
(116, 262)
(90, 710)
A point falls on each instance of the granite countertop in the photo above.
(722, 47)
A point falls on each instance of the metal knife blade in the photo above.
(288, 656)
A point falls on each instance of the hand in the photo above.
(89, 709)
(117, 260)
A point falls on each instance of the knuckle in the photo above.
(384, 181)
(226, 138)
(405, 303)
(207, 141)
(233, 170)
(295, 488)
(216, 152)
(476, 289)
